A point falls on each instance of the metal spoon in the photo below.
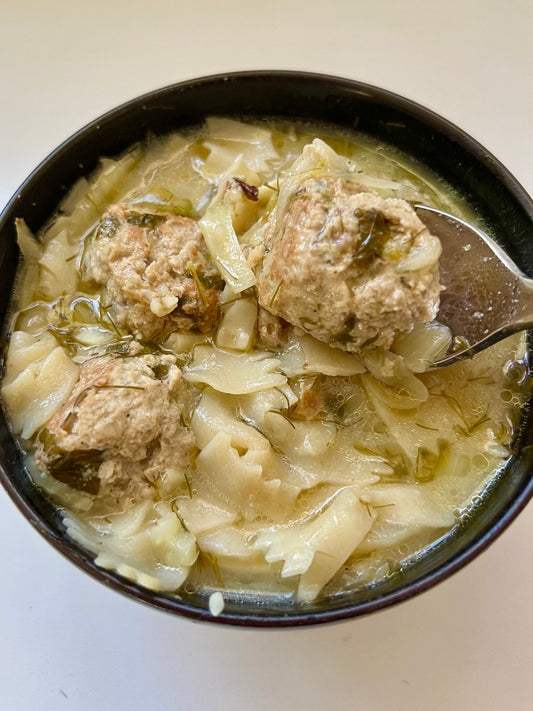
(486, 296)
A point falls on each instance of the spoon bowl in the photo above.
(486, 297)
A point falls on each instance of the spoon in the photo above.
(486, 296)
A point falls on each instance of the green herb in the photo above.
(454, 405)
(160, 370)
(370, 341)
(482, 379)
(146, 220)
(428, 463)
(192, 461)
(77, 469)
(206, 560)
(247, 421)
(192, 271)
(118, 387)
(469, 429)
(276, 292)
(461, 344)
(285, 417)
(69, 422)
(150, 482)
(426, 427)
(374, 233)
(106, 315)
(367, 452)
(174, 507)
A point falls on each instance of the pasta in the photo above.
(218, 366)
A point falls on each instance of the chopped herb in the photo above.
(77, 469)
(161, 370)
(205, 560)
(150, 482)
(146, 220)
(426, 427)
(428, 463)
(118, 387)
(461, 344)
(454, 405)
(285, 417)
(192, 271)
(69, 421)
(188, 482)
(469, 429)
(374, 233)
(276, 292)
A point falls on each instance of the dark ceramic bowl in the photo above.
(478, 177)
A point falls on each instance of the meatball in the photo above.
(121, 428)
(156, 270)
(348, 267)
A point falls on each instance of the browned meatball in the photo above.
(350, 268)
(156, 270)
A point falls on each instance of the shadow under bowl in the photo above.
(450, 153)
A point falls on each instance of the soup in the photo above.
(218, 365)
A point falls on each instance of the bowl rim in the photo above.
(310, 616)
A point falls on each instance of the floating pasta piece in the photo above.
(240, 189)
(424, 345)
(236, 465)
(318, 155)
(29, 245)
(316, 549)
(213, 414)
(172, 545)
(200, 516)
(59, 273)
(183, 343)
(146, 544)
(306, 355)
(113, 176)
(236, 474)
(230, 543)
(392, 383)
(39, 390)
(294, 437)
(229, 138)
(224, 248)
(403, 510)
(25, 349)
(234, 374)
(238, 323)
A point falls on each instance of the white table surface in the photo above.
(66, 642)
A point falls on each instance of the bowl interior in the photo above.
(455, 157)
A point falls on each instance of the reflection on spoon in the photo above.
(486, 296)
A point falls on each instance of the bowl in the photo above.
(474, 173)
